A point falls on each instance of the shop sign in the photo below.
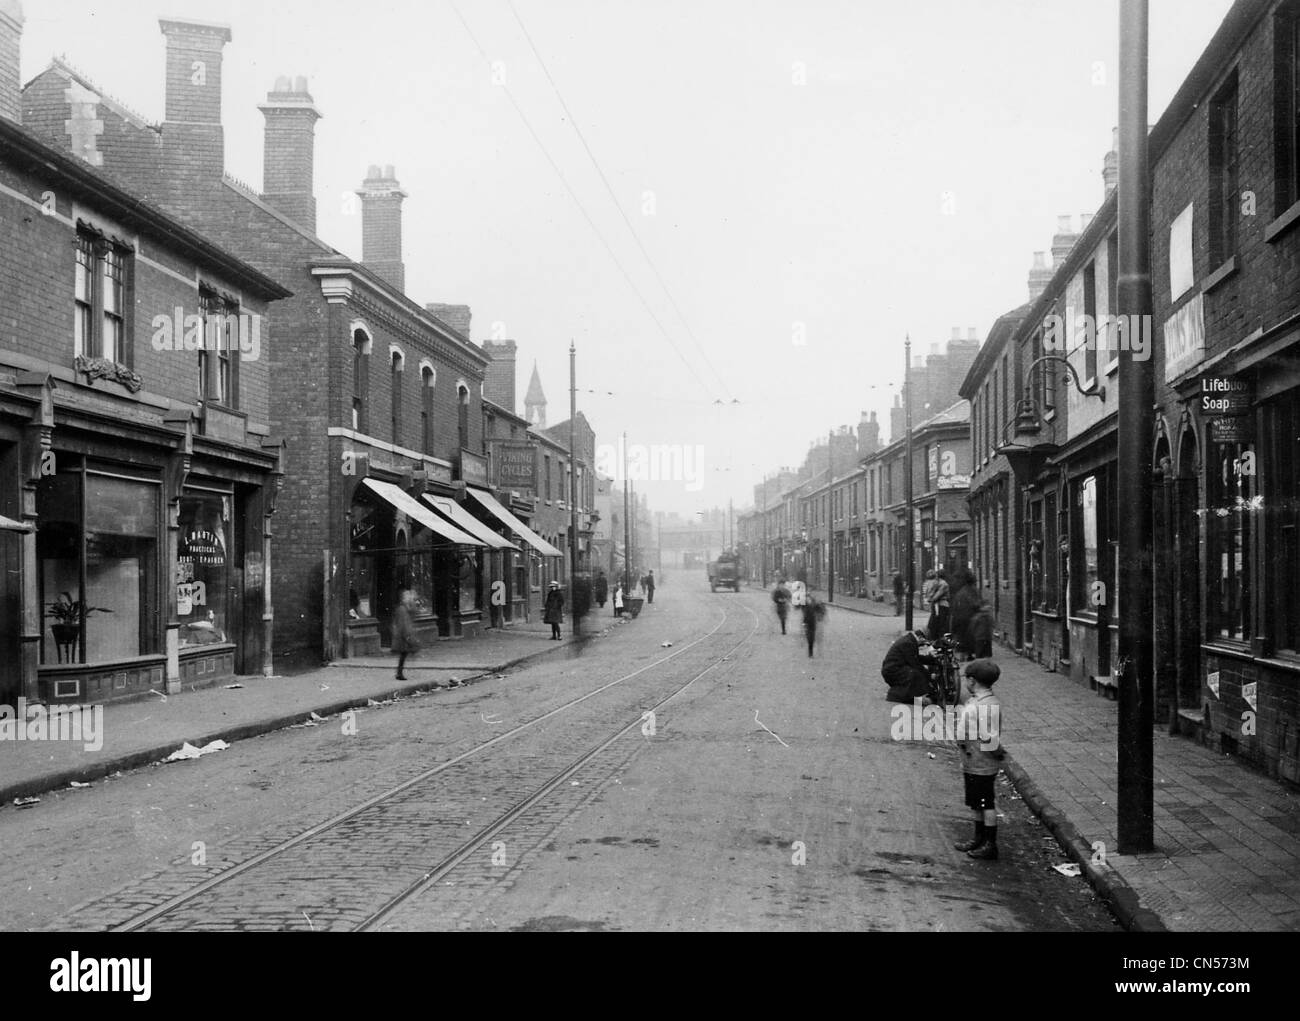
(516, 466)
(954, 482)
(1235, 429)
(204, 547)
(1184, 338)
(473, 468)
(1225, 397)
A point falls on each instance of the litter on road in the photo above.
(1069, 870)
(188, 751)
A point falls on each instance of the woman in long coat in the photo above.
(554, 610)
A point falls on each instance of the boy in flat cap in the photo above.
(979, 739)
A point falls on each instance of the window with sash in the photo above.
(99, 296)
(219, 359)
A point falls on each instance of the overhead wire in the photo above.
(578, 202)
(573, 123)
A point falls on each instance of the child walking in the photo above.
(979, 739)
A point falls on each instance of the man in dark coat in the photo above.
(650, 587)
(813, 613)
(554, 614)
(904, 671)
(964, 604)
(980, 632)
(898, 594)
(601, 587)
(781, 597)
(404, 640)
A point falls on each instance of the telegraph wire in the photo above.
(578, 202)
(573, 122)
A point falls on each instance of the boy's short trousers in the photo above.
(979, 791)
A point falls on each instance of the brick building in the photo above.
(1225, 161)
(138, 460)
(377, 397)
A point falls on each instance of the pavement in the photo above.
(138, 732)
(1227, 838)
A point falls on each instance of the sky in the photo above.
(761, 198)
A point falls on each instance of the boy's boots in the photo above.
(970, 845)
(987, 851)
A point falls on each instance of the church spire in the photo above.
(535, 401)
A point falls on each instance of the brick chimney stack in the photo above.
(868, 434)
(381, 225)
(1040, 275)
(11, 35)
(192, 136)
(288, 155)
(1110, 165)
(456, 316)
(1063, 240)
(499, 378)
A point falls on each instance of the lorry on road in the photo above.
(725, 573)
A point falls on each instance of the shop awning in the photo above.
(466, 521)
(10, 525)
(493, 507)
(412, 508)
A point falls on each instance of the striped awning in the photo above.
(493, 506)
(466, 521)
(412, 508)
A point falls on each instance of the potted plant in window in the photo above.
(68, 613)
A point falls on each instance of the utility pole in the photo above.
(573, 490)
(627, 525)
(1135, 794)
(763, 573)
(830, 516)
(907, 478)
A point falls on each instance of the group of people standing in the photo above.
(956, 608)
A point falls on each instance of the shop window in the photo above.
(1088, 571)
(98, 553)
(1037, 599)
(1050, 554)
(99, 296)
(202, 568)
(364, 522)
(1281, 508)
(1230, 491)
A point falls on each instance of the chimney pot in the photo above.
(300, 84)
(1084, 220)
(1040, 260)
(389, 175)
(281, 84)
(956, 333)
(972, 334)
(1064, 225)
(381, 225)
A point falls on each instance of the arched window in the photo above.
(427, 378)
(360, 377)
(398, 363)
(462, 395)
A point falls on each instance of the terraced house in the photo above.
(139, 464)
(377, 396)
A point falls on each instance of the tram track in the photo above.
(420, 810)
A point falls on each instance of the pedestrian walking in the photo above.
(405, 641)
(618, 600)
(554, 614)
(979, 734)
(601, 589)
(898, 593)
(650, 587)
(813, 613)
(781, 597)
